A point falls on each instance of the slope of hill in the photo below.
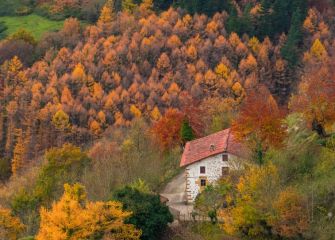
(128, 65)
(132, 88)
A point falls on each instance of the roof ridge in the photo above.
(209, 136)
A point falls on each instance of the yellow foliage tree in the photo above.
(106, 15)
(135, 111)
(10, 226)
(73, 217)
(238, 90)
(318, 50)
(61, 120)
(253, 202)
(155, 114)
(15, 65)
(222, 71)
(254, 44)
(78, 73)
(15, 75)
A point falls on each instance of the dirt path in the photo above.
(175, 192)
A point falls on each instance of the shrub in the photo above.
(23, 35)
(149, 214)
(23, 11)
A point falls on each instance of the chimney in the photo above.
(212, 148)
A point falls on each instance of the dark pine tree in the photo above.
(290, 50)
(264, 25)
(186, 132)
(240, 24)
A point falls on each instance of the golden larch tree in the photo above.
(73, 217)
(10, 226)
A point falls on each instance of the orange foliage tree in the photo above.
(291, 218)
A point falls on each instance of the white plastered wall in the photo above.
(213, 165)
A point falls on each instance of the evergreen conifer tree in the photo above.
(186, 132)
(290, 50)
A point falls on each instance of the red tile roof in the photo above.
(211, 145)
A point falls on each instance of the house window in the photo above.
(203, 182)
(202, 170)
(225, 171)
(225, 158)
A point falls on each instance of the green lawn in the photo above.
(33, 23)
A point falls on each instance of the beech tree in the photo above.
(260, 122)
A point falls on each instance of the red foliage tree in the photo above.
(167, 129)
(260, 120)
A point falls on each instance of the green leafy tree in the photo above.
(149, 214)
(212, 199)
(63, 165)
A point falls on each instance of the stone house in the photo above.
(208, 159)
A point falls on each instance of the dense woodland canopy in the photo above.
(132, 80)
(131, 65)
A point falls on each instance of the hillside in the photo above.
(110, 103)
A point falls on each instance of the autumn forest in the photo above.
(95, 115)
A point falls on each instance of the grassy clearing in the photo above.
(33, 23)
(196, 231)
(209, 231)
